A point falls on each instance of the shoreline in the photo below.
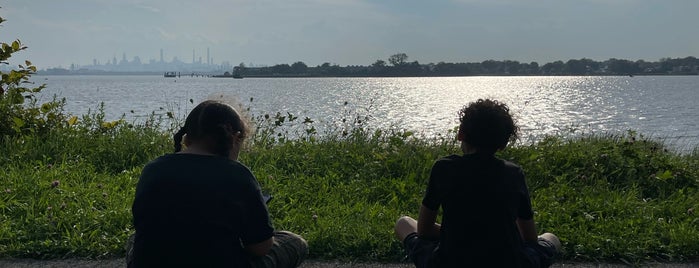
(212, 75)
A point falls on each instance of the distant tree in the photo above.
(412, 68)
(281, 69)
(450, 69)
(647, 67)
(491, 67)
(378, 68)
(622, 67)
(576, 67)
(240, 69)
(512, 67)
(299, 67)
(398, 59)
(553, 68)
(326, 69)
(379, 64)
(533, 68)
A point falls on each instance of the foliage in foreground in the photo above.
(617, 198)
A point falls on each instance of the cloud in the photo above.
(165, 35)
(148, 8)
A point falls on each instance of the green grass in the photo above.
(68, 192)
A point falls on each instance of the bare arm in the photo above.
(427, 226)
(260, 249)
(527, 229)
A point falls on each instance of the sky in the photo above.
(350, 32)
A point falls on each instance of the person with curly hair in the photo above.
(487, 217)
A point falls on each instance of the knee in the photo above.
(404, 220)
(404, 226)
(294, 240)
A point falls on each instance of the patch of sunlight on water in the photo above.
(662, 106)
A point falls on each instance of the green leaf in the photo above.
(15, 45)
(18, 122)
(17, 99)
(72, 120)
(45, 107)
(664, 175)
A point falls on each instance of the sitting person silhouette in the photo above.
(200, 207)
(487, 217)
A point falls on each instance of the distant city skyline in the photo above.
(349, 32)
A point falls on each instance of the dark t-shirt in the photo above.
(197, 211)
(481, 197)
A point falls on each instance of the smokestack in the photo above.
(193, 61)
(161, 55)
(208, 59)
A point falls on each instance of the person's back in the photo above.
(192, 210)
(481, 197)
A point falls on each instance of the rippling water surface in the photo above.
(663, 107)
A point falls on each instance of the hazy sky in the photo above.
(348, 32)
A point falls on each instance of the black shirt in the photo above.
(197, 211)
(481, 197)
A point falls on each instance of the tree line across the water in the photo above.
(398, 65)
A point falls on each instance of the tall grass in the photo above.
(625, 198)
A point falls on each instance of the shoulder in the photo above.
(162, 162)
(510, 166)
(446, 163)
(206, 164)
(448, 160)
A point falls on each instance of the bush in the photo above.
(19, 111)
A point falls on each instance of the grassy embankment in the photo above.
(617, 198)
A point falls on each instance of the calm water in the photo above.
(663, 107)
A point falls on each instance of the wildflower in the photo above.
(589, 216)
(55, 183)
(8, 190)
(315, 217)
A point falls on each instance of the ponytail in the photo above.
(178, 139)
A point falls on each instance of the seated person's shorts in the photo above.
(535, 255)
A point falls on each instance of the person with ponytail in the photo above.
(200, 207)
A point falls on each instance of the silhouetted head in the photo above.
(213, 126)
(487, 126)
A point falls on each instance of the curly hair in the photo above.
(487, 125)
(212, 120)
